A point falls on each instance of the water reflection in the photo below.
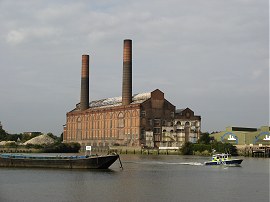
(144, 178)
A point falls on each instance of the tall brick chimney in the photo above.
(84, 104)
(127, 73)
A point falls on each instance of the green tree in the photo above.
(3, 135)
(61, 137)
(205, 138)
(13, 137)
(224, 147)
(62, 148)
(187, 148)
(25, 137)
(56, 138)
(52, 135)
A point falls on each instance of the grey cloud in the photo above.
(211, 56)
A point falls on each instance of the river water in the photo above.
(144, 178)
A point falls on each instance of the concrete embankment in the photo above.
(254, 151)
(248, 151)
(135, 150)
(242, 151)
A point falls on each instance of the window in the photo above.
(164, 123)
(156, 122)
(157, 138)
(142, 134)
(121, 122)
(143, 113)
(157, 130)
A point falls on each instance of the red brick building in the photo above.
(107, 122)
(123, 120)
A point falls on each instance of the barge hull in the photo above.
(95, 162)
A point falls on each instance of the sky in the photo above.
(211, 56)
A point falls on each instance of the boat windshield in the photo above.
(221, 156)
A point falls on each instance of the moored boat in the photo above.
(223, 159)
(58, 161)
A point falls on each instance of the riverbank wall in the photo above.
(247, 151)
(254, 151)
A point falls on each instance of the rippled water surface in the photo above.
(144, 178)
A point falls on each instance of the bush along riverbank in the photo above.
(200, 149)
(73, 147)
(206, 149)
(57, 147)
(35, 142)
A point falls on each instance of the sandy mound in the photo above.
(41, 139)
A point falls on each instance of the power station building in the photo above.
(144, 119)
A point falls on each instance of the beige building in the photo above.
(244, 136)
(186, 127)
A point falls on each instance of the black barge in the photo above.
(58, 161)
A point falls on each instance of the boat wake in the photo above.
(193, 164)
(170, 163)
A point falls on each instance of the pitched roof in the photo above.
(178, 111)
(117, 101)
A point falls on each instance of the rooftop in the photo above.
(179, 111)
(117, 101)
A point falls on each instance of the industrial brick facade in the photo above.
(106, 124)
(104, 127)
(127, 120)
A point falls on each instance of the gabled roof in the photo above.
(178, 111)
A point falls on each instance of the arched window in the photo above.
(178, 126)
(121, 122)
(79, 123)
(79, 128)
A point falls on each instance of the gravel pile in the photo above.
(6, 142)
(41, 139)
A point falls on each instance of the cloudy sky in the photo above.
(211, 56)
